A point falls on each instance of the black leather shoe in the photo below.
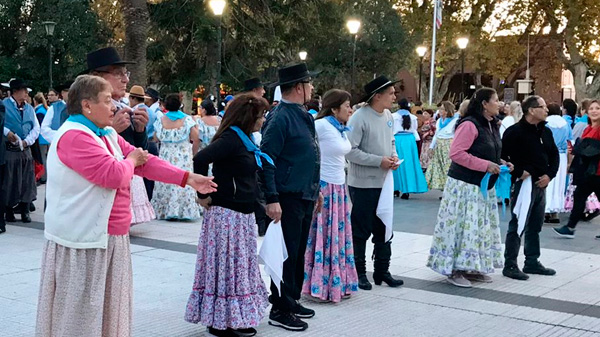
(25, 217)
(538, 269)
(2, 226)
(363, 282)
(405, 196)
(514, 273)
(388, 279)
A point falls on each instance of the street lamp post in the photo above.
(462, 44)
(49, 26)
(303, 55)
(217, 7)
(353, 26)
(421, 52)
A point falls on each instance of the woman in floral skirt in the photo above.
(175, 130)
(466, 242)
(329, 270)
(228, 294)
(440, 146)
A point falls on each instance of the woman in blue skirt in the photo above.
(408, 178)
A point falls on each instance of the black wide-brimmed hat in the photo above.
(104, 57)
(155, 95)
(252, 83)
(375, 86)
(64, 87)
(294, 74)
(17, 84)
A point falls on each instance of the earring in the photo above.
(89, 112)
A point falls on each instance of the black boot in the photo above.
(2, 222)
(383, 253)
(361, 263)
(10, 214)
(25, 212)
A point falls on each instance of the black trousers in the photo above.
(296, 218)
(533, 227)
(152, 149)
(365, 222)
(582, 192)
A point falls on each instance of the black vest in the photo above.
(486, 146)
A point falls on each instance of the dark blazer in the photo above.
(585, 162)
(289, 138)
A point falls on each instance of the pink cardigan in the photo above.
(464, 136)
(81, 153)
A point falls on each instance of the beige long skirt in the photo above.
(86, 292)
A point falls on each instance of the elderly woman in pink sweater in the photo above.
(86, 281)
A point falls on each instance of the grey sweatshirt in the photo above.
(372, 138)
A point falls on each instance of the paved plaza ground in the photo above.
(567, 304)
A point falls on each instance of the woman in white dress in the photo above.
(178, 135)
(514, 116)
(208, 124)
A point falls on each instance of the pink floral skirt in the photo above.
(228, 291)
(329, 268)
(141, 209)
(591, 205)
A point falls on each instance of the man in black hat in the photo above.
(255, 87)
(373, 154)
(130, 124)
(57, 113)
(291, 188)
(21, 129)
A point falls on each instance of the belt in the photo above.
(13, 148)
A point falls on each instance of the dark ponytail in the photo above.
(406, 122)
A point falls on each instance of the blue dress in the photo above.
(409, 177)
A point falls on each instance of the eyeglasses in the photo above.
(119, 74)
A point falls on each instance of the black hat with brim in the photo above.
(376, 86)
(64, 87)
(17, 84)
(294, 74)
(252, 84)
(104, 57)
(155, 95)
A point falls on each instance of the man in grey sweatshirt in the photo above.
(373, 154)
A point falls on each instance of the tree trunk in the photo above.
(136, 37)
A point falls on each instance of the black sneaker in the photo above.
(303, 312)
(514, 273)
(538, 269)
(286, 320)
(565, 232)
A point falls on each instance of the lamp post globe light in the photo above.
(421, 50)
(303, 55)
(353, 26)
(218, 7)
(49, 27)
(462, 45)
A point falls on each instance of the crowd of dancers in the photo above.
(115, 158)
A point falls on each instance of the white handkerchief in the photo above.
(385, 206)
(273, 253)
(523, 203)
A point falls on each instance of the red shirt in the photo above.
(594, 133)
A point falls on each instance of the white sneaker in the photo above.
(459, 280)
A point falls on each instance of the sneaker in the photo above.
(477, 277)
(565, 232)
(514, 273)
(302, 312)
(286, 320)
(459, 280)
(538, 269)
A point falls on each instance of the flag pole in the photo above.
(432, 71)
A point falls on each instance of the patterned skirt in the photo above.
(591, 205)
(228, 291)
(437, 172)
(467, 233)
(141, 209)
(86, 292)
(329, 269)
(424, 158)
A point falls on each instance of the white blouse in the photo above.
(334, 148)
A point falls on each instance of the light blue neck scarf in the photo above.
(502, 185)
(175, 115)
(251, 146)
(81, 119)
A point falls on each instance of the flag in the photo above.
(438, 18)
